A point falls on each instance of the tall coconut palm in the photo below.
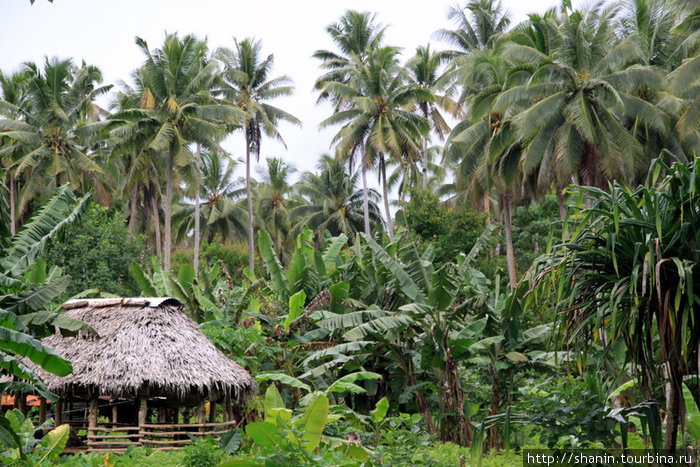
(274, 201)
(246, 83)
(355, 35)
(424, 70)
(220, 212)
(177, 109)
(376, 121)
(479, 25)
(335, 203)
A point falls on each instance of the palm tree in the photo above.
(480, 24)
(177, 109)
(52, 127)
(423, 70)
(334, 202)
(245, 83)
(578, 100)
(355, 35)
(220, 211)
(376, 121)
(274, 202)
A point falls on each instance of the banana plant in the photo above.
(195, 293)
(26, 293)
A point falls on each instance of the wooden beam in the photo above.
(59, 410)
(212, 411)
(115, 415)
(42, 410)
(143, 410)
(202, 414)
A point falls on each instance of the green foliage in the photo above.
(568, 413)
(234, 257)
(96, 254)
(203, 453)
(451, 229)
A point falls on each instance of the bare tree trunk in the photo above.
(495, 408)
(562, 204)
(487, 207)
(365, 198)
(456, 427)
(133, 208)
(425, 164)
(249, 195)
(510, 254)
(156, 220)
(385, 195)
(13, 203)
(422, 405)
(197, 165)
(168, 210)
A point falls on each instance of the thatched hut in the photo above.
(148, 362)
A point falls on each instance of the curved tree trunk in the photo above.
(167, 240)
(197, 165)
(249, 195)
(365, 199)
(385, 195)
(507, 221)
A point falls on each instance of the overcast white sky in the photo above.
(102, 32)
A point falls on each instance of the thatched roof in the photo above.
(145, 346)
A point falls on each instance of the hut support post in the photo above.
(42, 410)
(202, 417)
(21, 402)
(92, 419)
(59, 410)
(115, 418)
(143, 411)
(212, 412)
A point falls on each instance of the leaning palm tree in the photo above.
(334, 201)
(376, 121)
(246, 83)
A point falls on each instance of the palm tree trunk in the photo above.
(562, 203)
(197, 165)
(425, 164)
(507, 221)
(167, 241)
(156, 220)
(487, 207)
(385, 195)
(249, 195)
(365, 198)
(456, 427)
(133, 208)
(13, 203)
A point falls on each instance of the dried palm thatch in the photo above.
(145, 346)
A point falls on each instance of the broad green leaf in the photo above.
(264, 434)
(516, 357)
(55, 440)
(273, 400)
(26, 346)
(345, 383)
(231, 441)
(332, 251)
(296, 302)
(284, 379)
(8, 437)
(314, 421)
(143, 281)
(692, 414)
(272, 264)
(380, 410)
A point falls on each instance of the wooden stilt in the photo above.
(202, 415)
(224, 409)
(143, 410)
(92, 414)
(115, 418)
(58, 412)
(212, 411)
(162, 412)
(42, 410)
(21, 402)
